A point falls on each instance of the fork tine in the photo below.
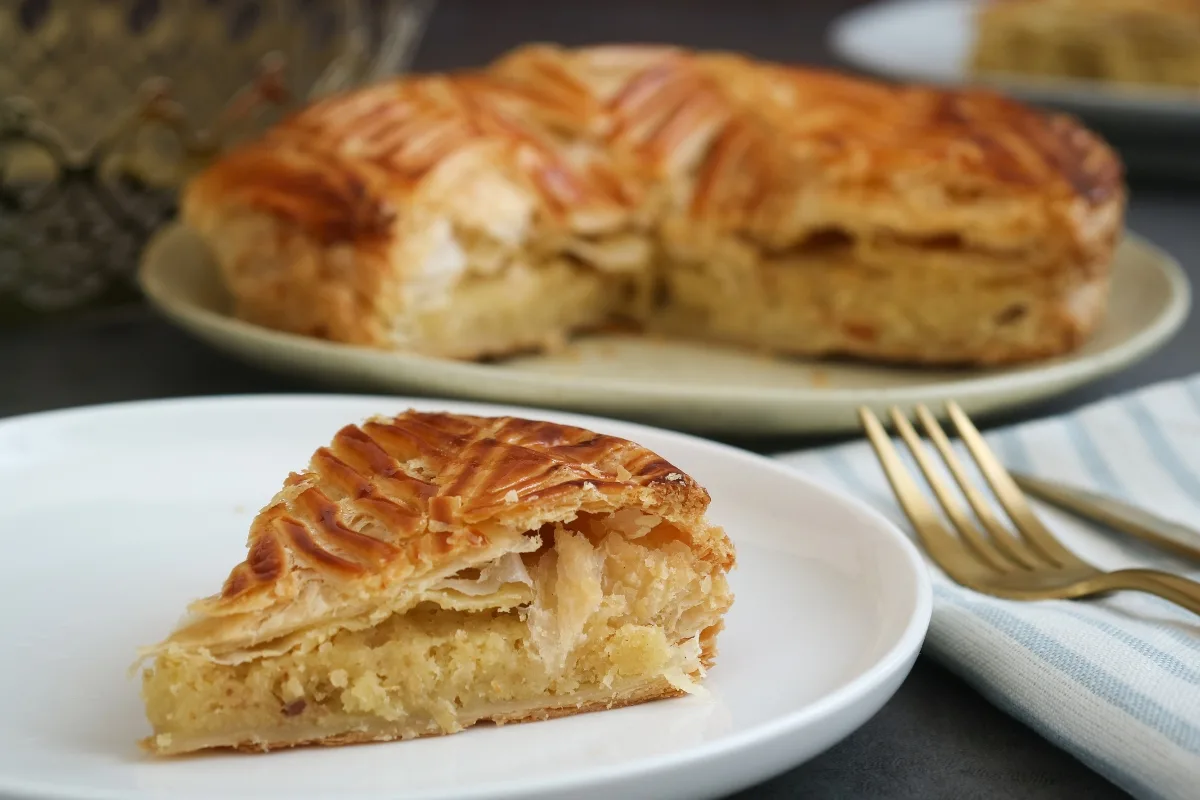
(943, 547)
(1004, 541)
(1010, 496)
(954, 510)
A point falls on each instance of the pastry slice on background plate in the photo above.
(431, 571)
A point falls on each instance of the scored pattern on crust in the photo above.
(410, 489)
(594, 131)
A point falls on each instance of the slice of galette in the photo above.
(431, 571)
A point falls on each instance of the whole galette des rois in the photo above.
(427, 572)
(704, 196)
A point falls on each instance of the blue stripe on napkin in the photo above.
(1163, 451)
(1114, 681)
(1099, 470)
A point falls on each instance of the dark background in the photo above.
(937, 738)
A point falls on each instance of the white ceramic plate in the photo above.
(930, 40)
(678, 385)
(116, 516)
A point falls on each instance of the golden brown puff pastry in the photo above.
(702, 194)
(431, 571)
(1151, 42)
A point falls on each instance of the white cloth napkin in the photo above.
(1115, 682)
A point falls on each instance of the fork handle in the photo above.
(1181, 591)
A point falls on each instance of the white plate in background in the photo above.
(679, 385)
(115, 517)
(930, 41)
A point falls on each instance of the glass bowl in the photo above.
(107, 105)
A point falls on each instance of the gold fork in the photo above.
(1024, 563)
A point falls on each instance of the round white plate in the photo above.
(930, 41)
(680, 385)
(116, 516)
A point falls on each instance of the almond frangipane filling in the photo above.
(600, 617)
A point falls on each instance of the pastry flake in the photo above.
(431, 571)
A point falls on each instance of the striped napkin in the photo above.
(1115, 682)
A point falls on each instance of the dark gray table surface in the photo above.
(938, 737)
